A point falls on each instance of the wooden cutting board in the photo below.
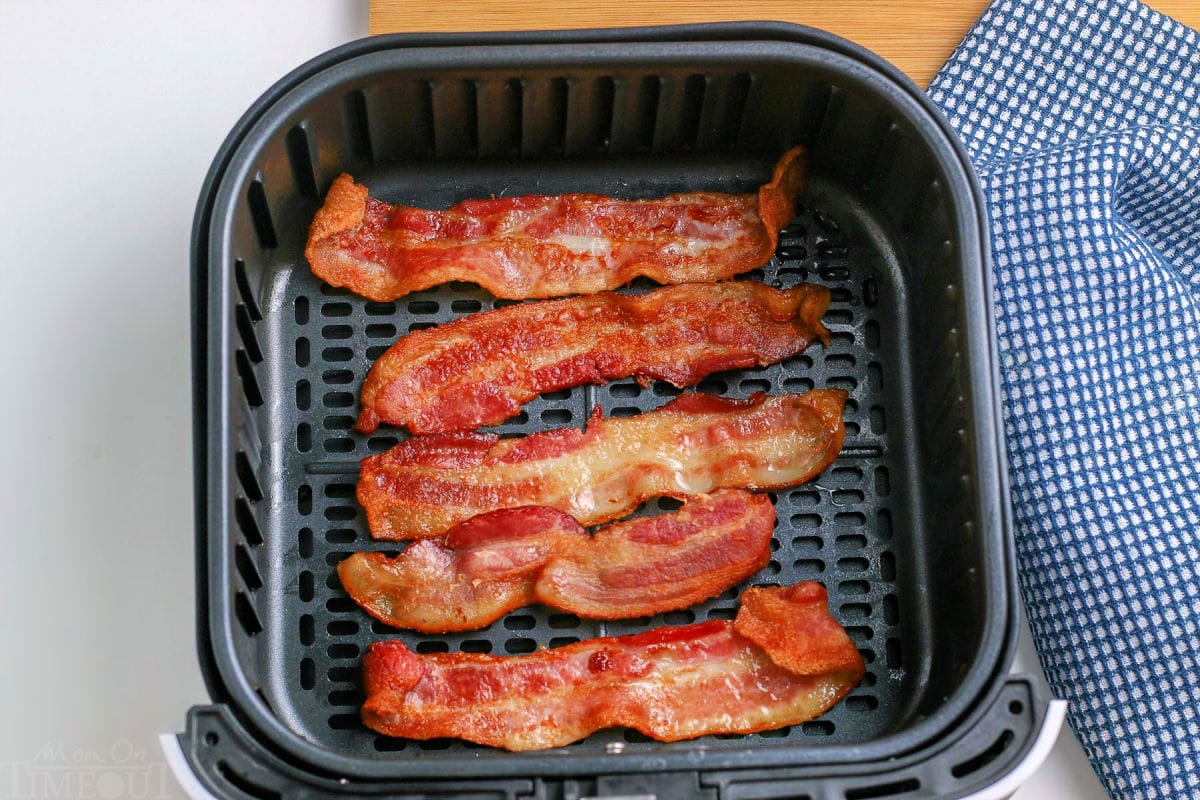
(915, 35)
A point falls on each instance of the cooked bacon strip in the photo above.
(548, 246)
(480, 370)
(506, 559)
(782, 661)
(693, 445)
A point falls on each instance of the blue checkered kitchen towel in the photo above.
(1082, 118)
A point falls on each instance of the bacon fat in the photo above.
(549, 246)
(693, 445)
(480, 369)
(506, 559)
(783, 660)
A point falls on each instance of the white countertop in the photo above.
(111, 114)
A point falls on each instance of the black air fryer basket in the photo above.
(908, 529)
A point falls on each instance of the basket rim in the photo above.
(225, 678)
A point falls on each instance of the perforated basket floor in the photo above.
(839, 529)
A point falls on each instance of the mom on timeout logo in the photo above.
(120, 772)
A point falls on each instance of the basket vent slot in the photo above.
(342, 627)
(341, 536)
(891, 609)
(884, 789)
(855, 611)
(850, 519)
(245, 370)
(343, 651)
(341, 605)
(246, 294)
(246, 568)
(304, 500)
(862, 703)
(378, 444)
(336, 309)
(341, 444)
(335, 557)
(860, 633)
(301, 156)
(247, 617)
(589, 116)
(337, 332)
(977, 762)
(344, 722)
(246, 477)
(247, 523)
(453, 112)
(357, 125)
(260, 214)
(825, 138)
(734, 121)
(382, 330)
(543, 117)
(305, 542)
(303, 395)
(307, 587)
(337, 354)
(887, 566)
(245, 327)
(519, 646)
(883, 173)
(374, 309)
(428, 142)
(680, 104)
(895, 656)
(386, 744)
(852, 541)
(809, 568)
(498, 117)
(783, 733)
(343, 674)
(818, 727)
(435, 744)
(634, 110)
(695, 90)
(340, 491)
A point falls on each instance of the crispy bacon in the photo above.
(502, 560)
(548, 246)
(782, 661)
(480, 370)
(693, 445)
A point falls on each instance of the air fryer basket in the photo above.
(907, 529)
